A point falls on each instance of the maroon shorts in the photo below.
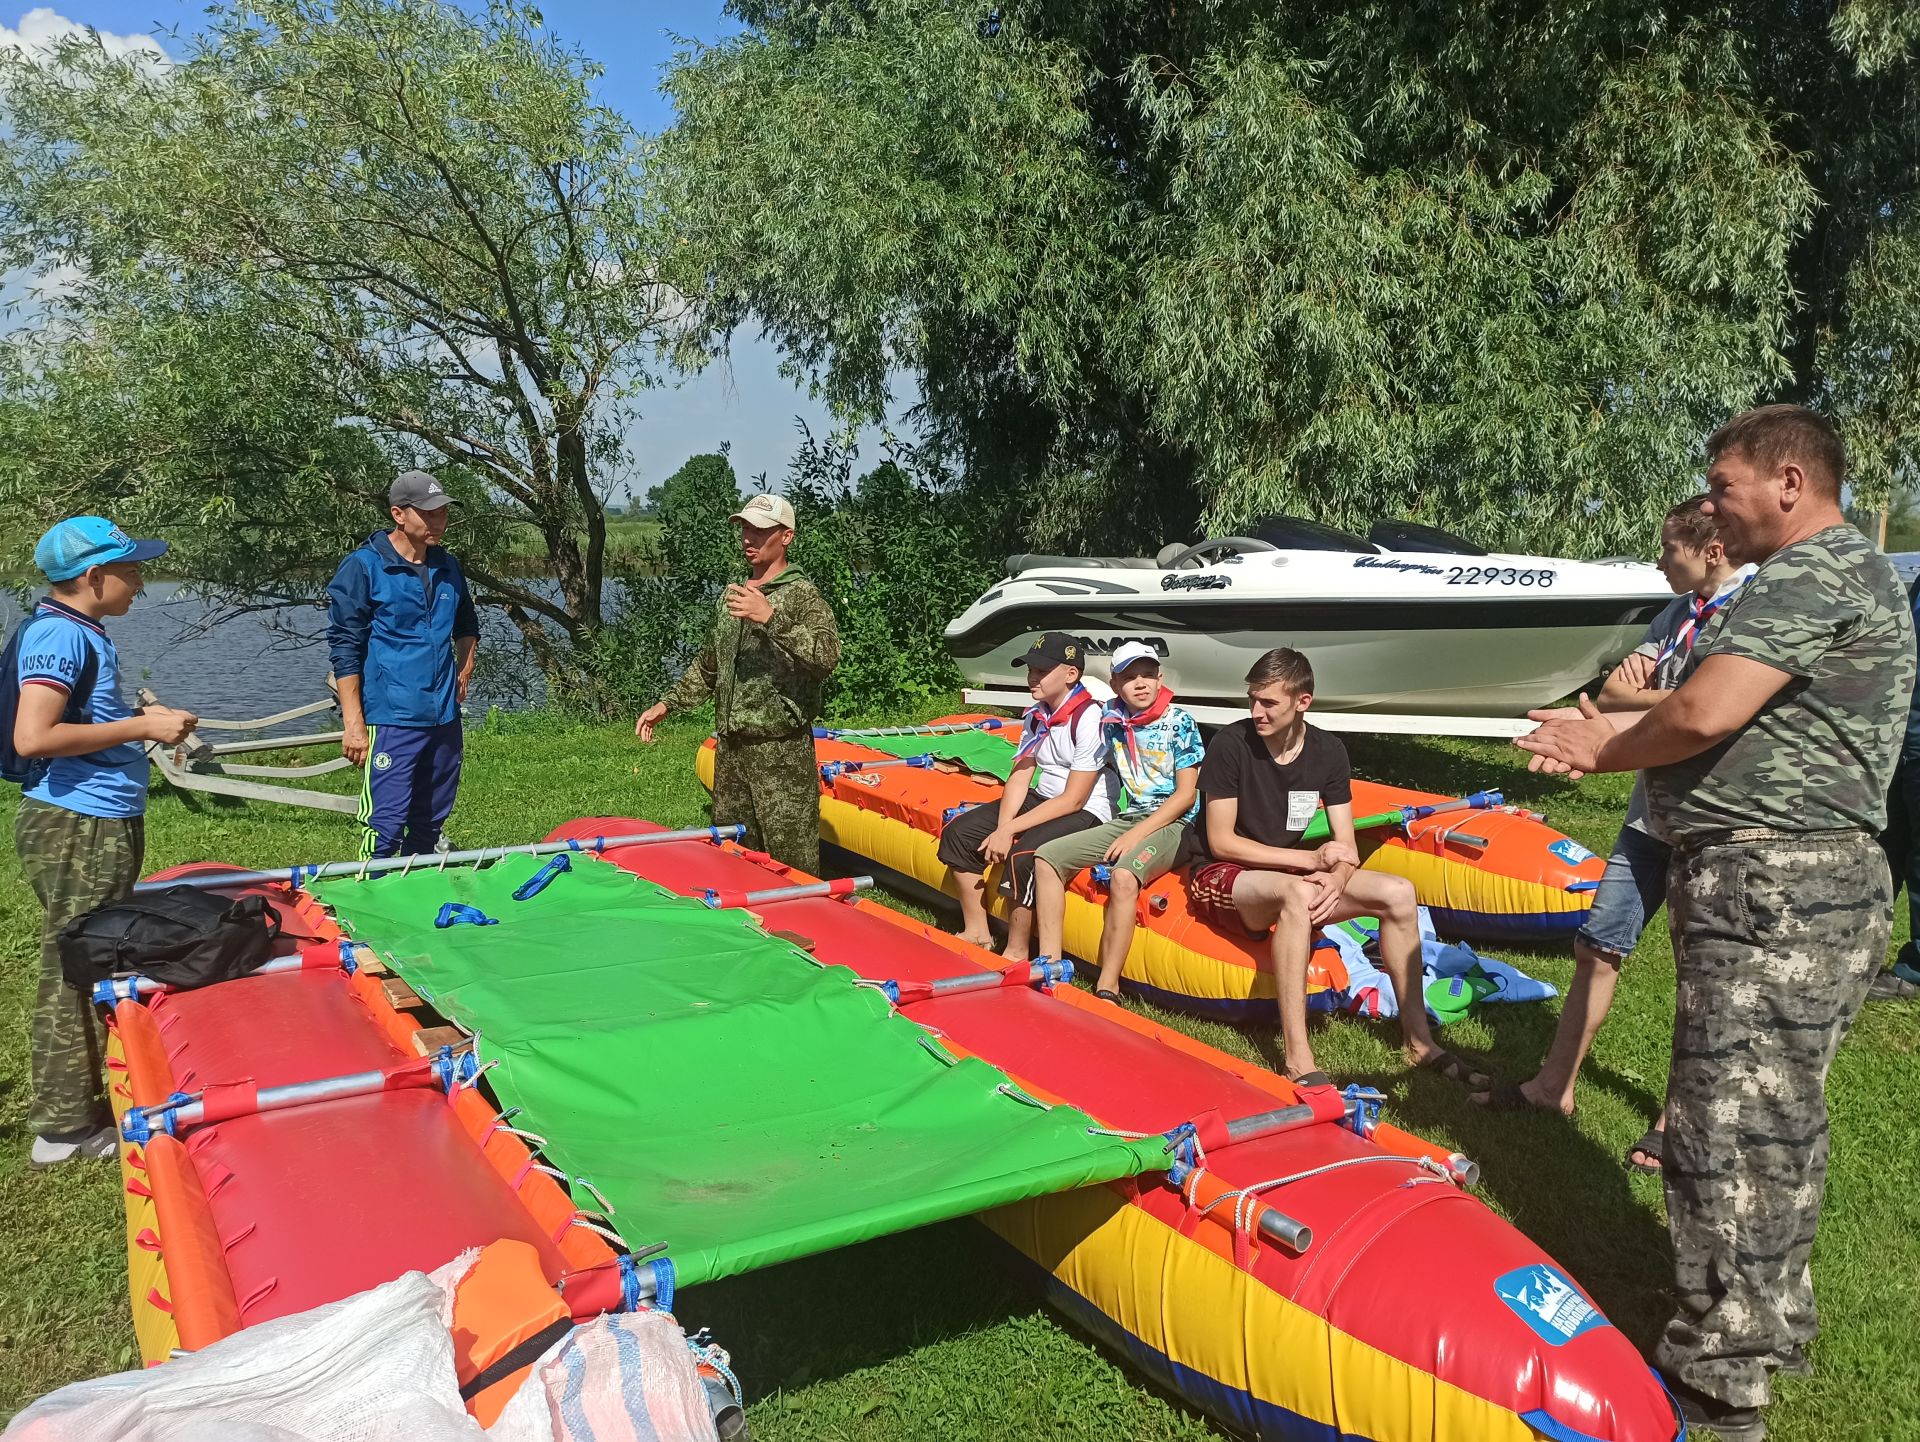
(1210, 891)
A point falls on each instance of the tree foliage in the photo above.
(340, 237)
(1498, 267)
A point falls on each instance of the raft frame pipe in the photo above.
(445, 1068)
(298, 875)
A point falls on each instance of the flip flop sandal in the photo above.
(1507, 1097)
(1312, 1079)
(1454, 1069)
(1653, 1144)
(1112, 996)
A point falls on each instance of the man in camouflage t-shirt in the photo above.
(774, 644)
(1767, 771)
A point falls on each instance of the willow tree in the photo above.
(1498, 267)
(337, 238)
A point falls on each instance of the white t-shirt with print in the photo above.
(1078, 746)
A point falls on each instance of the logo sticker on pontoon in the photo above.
(1195, 583)
(1394, 563)
(1545, 1298)
(1570, 851)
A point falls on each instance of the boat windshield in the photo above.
(1413, 536)
(1296, 533)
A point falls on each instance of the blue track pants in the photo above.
(412, 775)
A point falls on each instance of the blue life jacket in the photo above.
(394, 628)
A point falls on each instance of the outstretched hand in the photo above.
(650, 718)
(1568, 740)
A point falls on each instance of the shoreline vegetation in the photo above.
(939, 1332)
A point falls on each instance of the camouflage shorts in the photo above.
(73, 863)
(1775, 938)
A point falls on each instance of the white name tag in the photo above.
(1300, 808)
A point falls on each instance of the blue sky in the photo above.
(745, 402)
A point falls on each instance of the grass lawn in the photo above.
(934, 1333)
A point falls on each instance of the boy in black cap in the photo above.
(1060, 784)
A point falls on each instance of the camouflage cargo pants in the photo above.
(773, 789)
(1775, 939)
(73, 863)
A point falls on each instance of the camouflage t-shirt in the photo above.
(1828, 611)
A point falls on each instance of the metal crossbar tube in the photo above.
(298, 875)
(319, 768)
(846, 885)
(271, 743)
(313, 708)
(1280, 1119)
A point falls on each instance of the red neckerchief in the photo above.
(1038, 723)
(1116, 715)
(1699, 613)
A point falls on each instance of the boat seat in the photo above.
(1028, 562)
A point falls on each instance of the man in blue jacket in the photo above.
(402, 634)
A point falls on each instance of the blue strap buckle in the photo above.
(456, 913)
(539, 881)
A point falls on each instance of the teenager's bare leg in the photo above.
(1596, 976)
(1391, 899)
(1019, 945)
(1116, 931)
(1281, 900)
(1049, 908)
(974, 926)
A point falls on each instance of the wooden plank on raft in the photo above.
(399, 995)
(429, 1039)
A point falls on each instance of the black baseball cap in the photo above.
(1055, 648)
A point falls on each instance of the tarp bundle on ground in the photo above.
(725, 1094)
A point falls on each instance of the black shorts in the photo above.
(960, 841)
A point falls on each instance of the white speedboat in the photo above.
(1410, 622)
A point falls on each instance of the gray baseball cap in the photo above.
(417, 489)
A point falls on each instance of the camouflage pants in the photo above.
(773, 789)
(73, 863)
(1775, 939)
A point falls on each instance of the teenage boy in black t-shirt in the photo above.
(1263, 780)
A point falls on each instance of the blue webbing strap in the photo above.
(539, 881)
(455, 913)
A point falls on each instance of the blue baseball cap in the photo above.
(78, 542)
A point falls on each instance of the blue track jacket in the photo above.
(396, 632)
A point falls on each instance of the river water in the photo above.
(255, 664)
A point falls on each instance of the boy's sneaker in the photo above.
(92, 1145)
(1714, 1418)
(1899, 982)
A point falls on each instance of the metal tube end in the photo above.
(1295, 1235)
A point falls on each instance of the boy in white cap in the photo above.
(1155, 747)
(76, 747)
(765, 665)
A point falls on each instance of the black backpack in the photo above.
(182, 937)
(13, 766)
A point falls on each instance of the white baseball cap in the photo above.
(1127, 652)
(766, 511)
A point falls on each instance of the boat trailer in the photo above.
(198, 764)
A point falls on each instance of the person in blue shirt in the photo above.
(79, 752)
(1900, 980)
(1155, 748)
(402, 636)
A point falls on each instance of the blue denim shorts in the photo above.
(1633, 889)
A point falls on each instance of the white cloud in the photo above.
(42, 28)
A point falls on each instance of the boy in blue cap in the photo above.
(79, 751)
(402, 634)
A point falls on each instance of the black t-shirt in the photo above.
(1277, 802)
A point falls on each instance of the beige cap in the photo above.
(766, 511)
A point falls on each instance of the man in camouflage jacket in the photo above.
(765, 666)
(1767, 772)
